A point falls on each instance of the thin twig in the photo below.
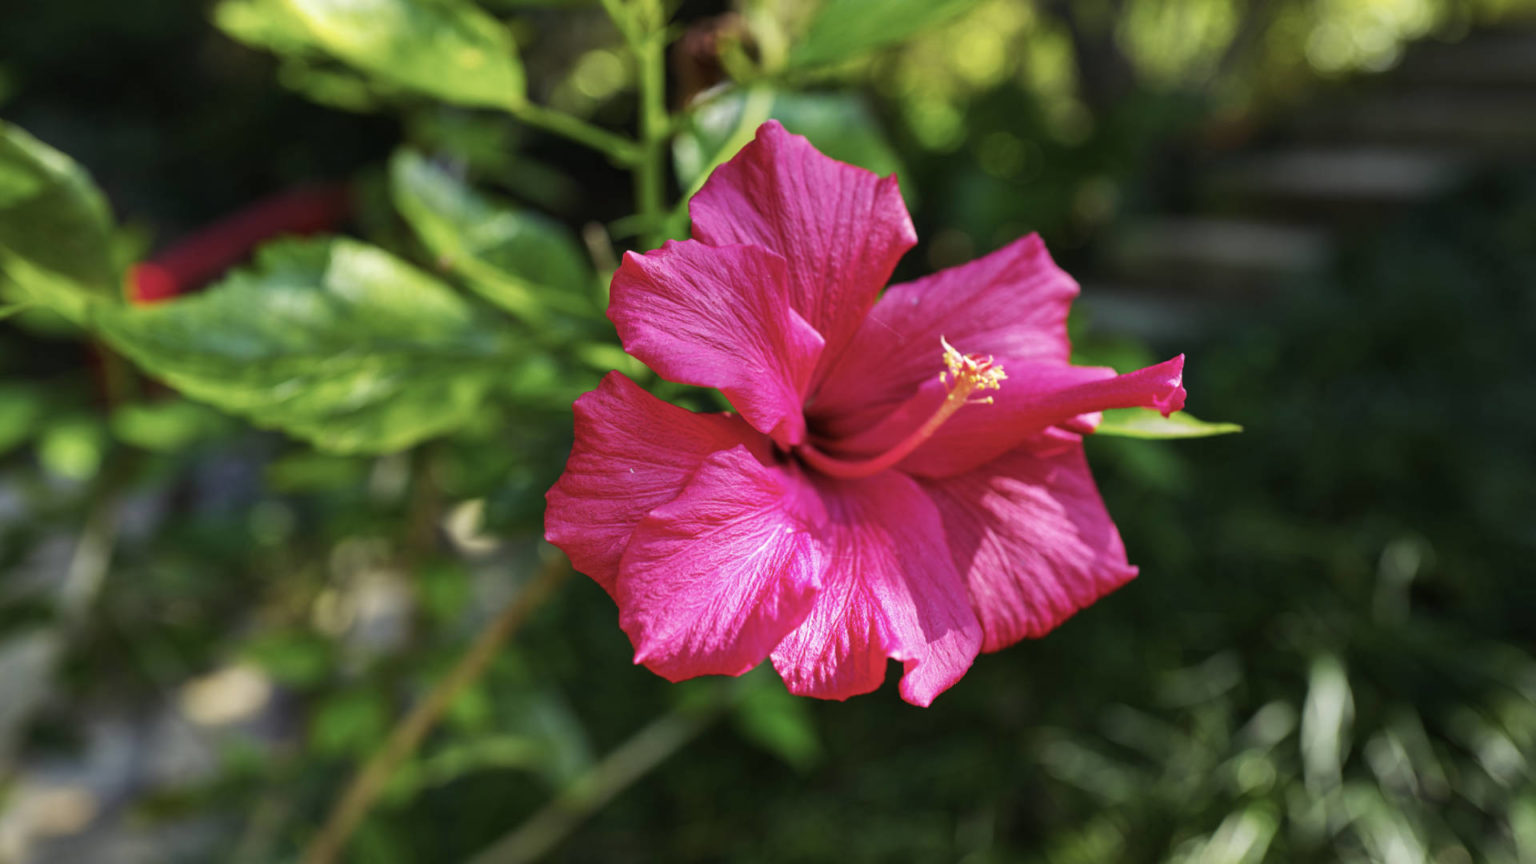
(633, 759)
(406, 737)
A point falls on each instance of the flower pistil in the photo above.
(964, 375)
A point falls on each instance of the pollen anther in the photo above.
(970, 370)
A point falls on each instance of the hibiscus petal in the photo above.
(632, 454)
(1030, 534)
(1032, 398)
(1012, 303)
(842, 229)
(890, 590)
(716, 317)
(718, 576)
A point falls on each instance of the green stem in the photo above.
(643, 24)
(618, 148)
(653, 124)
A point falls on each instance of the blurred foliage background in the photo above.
(206, 624)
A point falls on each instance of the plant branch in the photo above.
(369, 782)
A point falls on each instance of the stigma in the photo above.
(971, 372)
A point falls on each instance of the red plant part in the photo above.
(195, 260)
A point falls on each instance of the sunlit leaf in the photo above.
(844, 29)
(516, 258)
(269, 24)
(305, 66)
(330, 340)
(449, 49)
(1147, 423)
(55, 228)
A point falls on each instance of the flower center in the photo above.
(964, 375)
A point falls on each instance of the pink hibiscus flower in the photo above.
(877, 494)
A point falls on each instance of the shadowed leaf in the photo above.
(55, 228)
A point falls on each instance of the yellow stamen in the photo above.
(969, 373)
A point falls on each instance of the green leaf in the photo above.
(305, 66)
(12, 309)
(1148, 423)
(769, 717)
(269, 24)
(169, 426)
(844, 29)
(517, 259)
(328, 339)
(449, 49)
(55, 227)
(73, 447)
